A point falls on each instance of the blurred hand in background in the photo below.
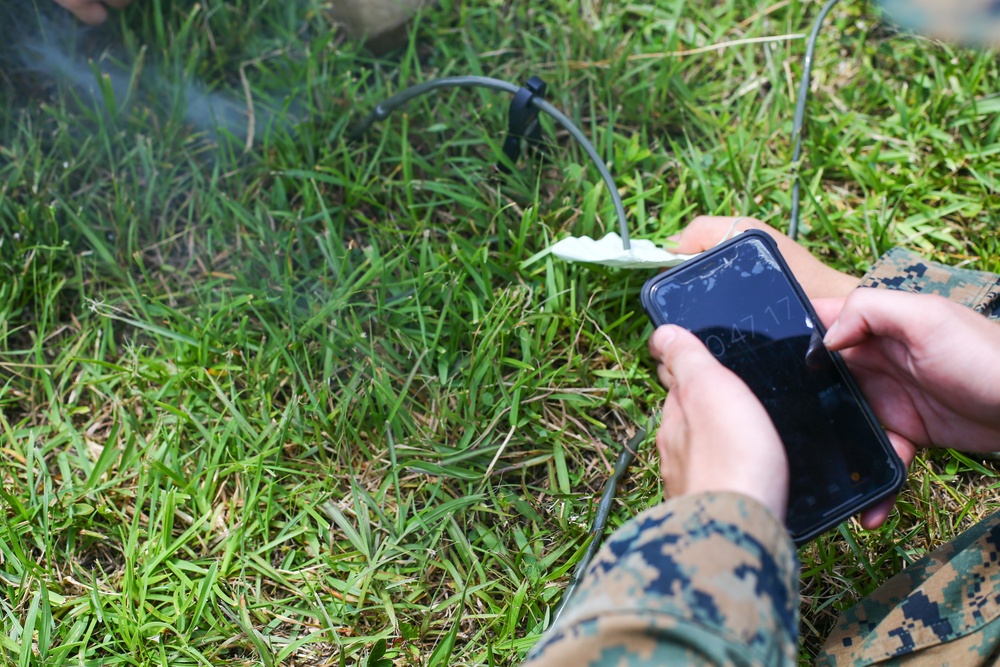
(92, 12)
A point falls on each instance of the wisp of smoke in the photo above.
(55, 49)
(57, 63)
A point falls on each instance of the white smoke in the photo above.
(53, 52)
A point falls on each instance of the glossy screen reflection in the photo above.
(742, 306)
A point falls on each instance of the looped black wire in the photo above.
(628, 452)
(382, 111)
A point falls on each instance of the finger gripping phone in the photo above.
(744, 304)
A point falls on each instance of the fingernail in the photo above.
(832, 335)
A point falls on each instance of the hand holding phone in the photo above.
(699, 452)
(742, 302)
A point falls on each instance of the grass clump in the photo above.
(271, 396)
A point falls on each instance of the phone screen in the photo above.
(739, 300)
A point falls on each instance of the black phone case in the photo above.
(862, 502)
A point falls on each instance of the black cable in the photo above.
(382, 111)
(800, 112)
(625, 458)
(628, 452)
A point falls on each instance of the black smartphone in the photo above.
(743, 302)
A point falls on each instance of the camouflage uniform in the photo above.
(901, 269)
(713, 579)
(707, 579)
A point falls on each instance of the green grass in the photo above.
(309, 403)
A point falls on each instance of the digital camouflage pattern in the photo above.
(902, 269)
(712, 579)
(709, 579)
(942, 610)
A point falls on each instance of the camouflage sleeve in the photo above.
(905, 270)
(706, 579)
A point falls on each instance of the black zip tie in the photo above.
(522, 122)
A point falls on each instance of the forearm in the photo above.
(705, 579)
